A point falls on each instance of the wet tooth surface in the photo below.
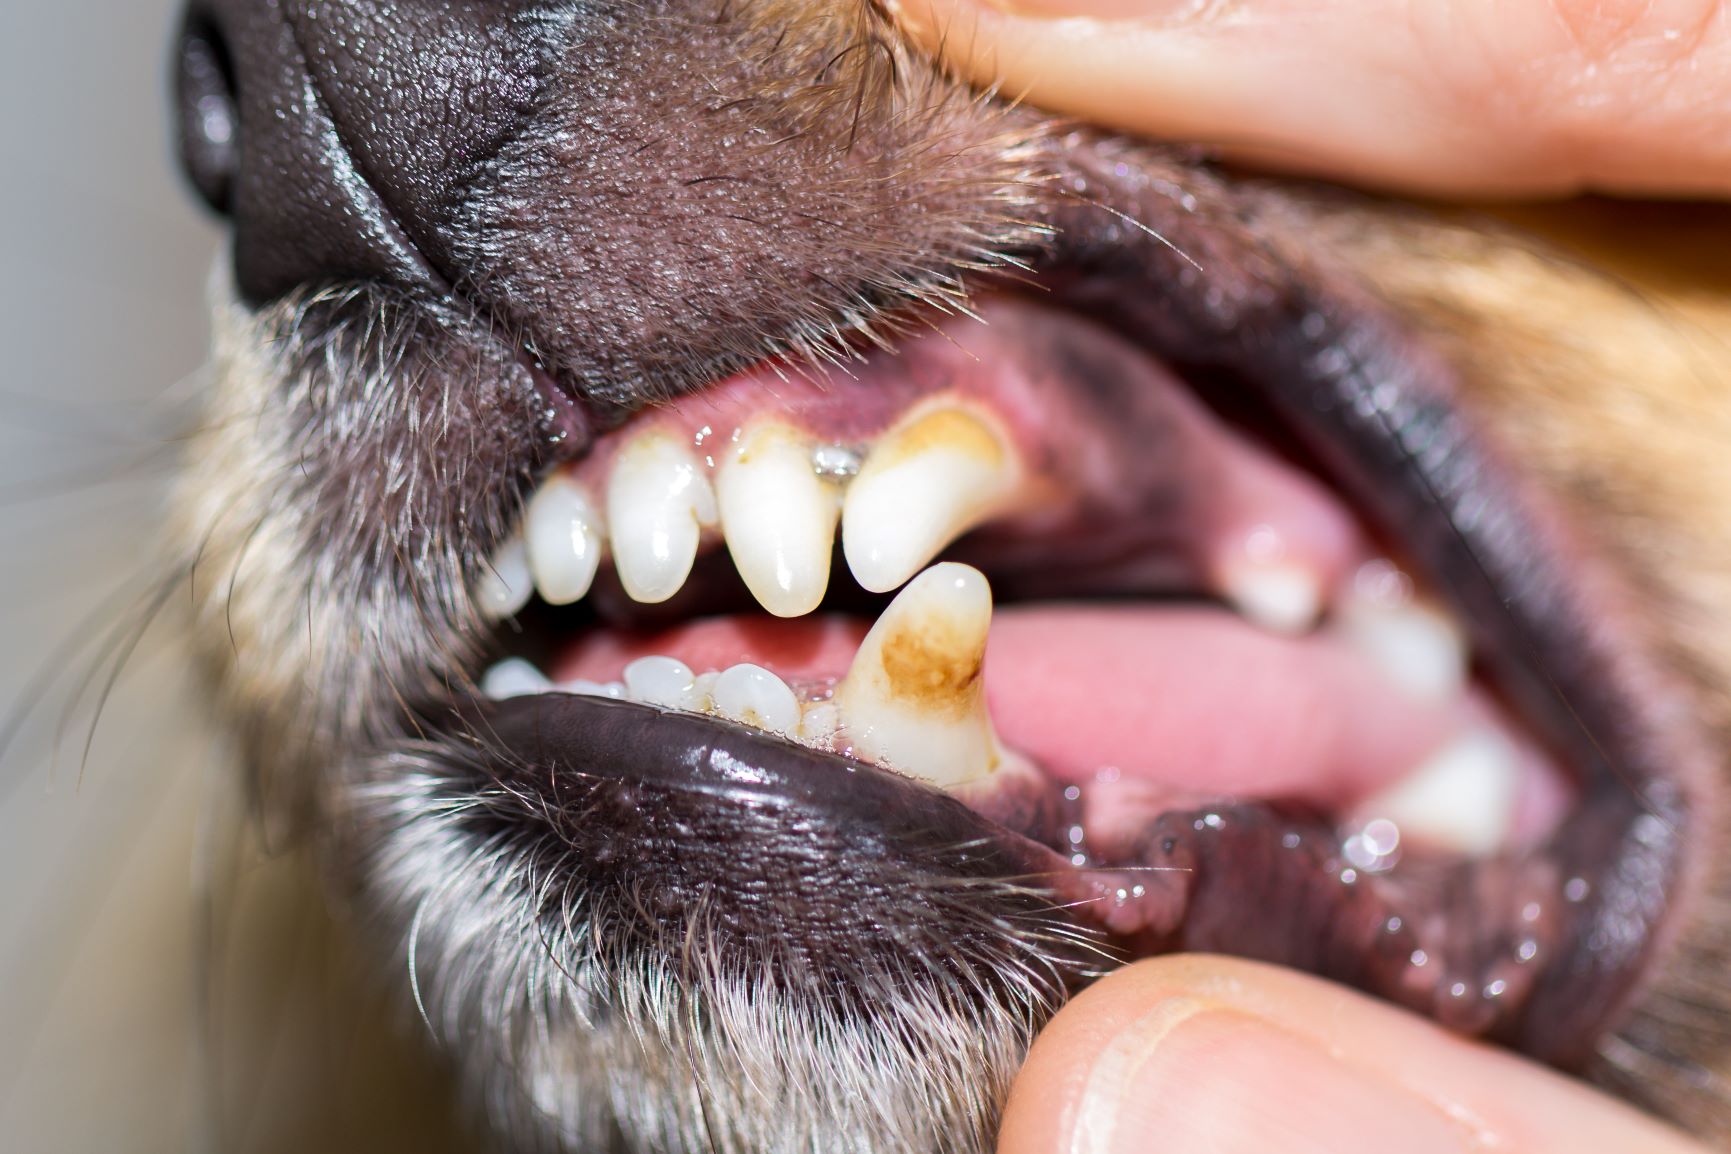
(914, 698)
(755, 696)
(513, 677)
(563, 531)
(613, 689)
(664, 681)
(818, 723)
(658, 501)
(1461, 798)
(1280, 596)
(778, 517)
(925, 483)
(505, 586)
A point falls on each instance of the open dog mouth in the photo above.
(1269, 660)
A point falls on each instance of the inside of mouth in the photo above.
(1178, 613)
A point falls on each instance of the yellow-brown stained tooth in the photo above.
(914, 698)
(927, 481)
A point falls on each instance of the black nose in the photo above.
(340, 135)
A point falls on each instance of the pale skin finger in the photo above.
(1454, 97)
(1190, 1054)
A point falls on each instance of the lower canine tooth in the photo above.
(914, 698)
(924, 484)
(658, 500)
(779, 518)
(754, 695)
(1462, 798)
(664, 681)
(564, 536)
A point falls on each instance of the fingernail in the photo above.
(1190, 1077)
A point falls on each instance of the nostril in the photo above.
(208, 121)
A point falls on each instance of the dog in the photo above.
(640, 273)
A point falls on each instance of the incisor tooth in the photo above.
(754, 695)
(505, 586)
(914, 698)
(778, 517)
(513, 677)
(663, 681)
(1461, 798)
(658, 501)
(925, 483)
(1280, 596)
(563, 531)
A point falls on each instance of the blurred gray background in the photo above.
(101, 307)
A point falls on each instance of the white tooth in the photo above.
(505, 585)
(818, 723)
(563, 531)
(754, 695)
(778, 517)
(1420, 648)
(513, 677)
(613, 689)
(925, 483)
(1461, 798)
(663, 681)
(658, 501)
(703, 692)
(1280, 596)
(914, 698)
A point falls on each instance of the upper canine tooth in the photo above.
(658, 500)
(778, 517)
(914, 698)
(505, 586)
(925, 483)
(564, 535)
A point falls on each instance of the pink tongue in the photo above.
(1190, 699)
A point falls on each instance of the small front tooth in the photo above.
(1280, 596)
(563, 531)
(779, 518)
(505, 585)
(818, 723)
(613, 689)
(924, 484)
(754, 695)
(1461, 798)
(663, 681)
(1420, 648)
(658, 501)
(914, 698)
(513, 677)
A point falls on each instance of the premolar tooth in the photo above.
(924, 484)
(505, 586)
(778, 517)
(1461, 798)
(1419, 646)
(914, 698)
(513, 677)
(658, 501)
(664, 681)
(754, 695)
(563, 531)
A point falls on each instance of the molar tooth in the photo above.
(754, 695)
(914, 698)
(513, 677)
(663, 681)
(778, 517)
(563, 531)
(925, 483)
(1460, 798)
(1418, 645)
(658, 501)
(505, 586)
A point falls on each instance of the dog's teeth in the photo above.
(923, 484)
(513, 677)
(658, 501)
(755, 696)
(1461, 798)
(663, 681)
(778, 517)
(1419, 646)
(505, 585)
(818, 723)
(613, 689)
(914, 698)
(1280, 596)
(563, 531)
